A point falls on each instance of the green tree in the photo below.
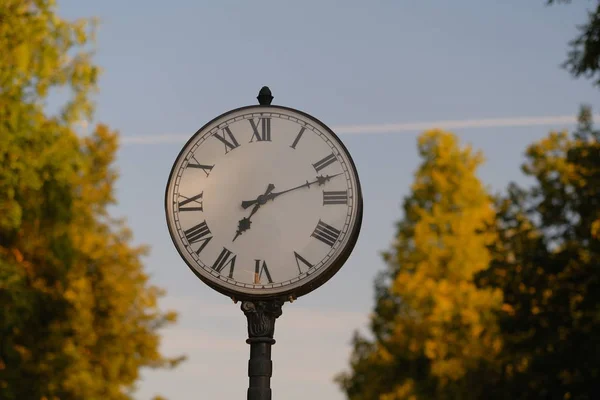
(78, 316)
(547, 263)
(434, 331)
(583, 58)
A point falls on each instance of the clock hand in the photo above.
(321, 180)
(244, 223)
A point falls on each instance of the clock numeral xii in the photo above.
(265, 130)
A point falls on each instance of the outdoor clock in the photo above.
(264, 202)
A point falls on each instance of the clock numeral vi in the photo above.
(326, 233)
(265, 130)
(335, 197)
(230, 144)
(197, 199)
(225, 259)
(319, 165)
(300, 259)
(198, 233)
(293, 146)
(259, 270)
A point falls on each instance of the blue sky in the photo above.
(169, 67)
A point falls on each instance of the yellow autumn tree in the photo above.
(547, 263)
(434, 331)
(78, 315)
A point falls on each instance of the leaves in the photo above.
(547, 267)
(435, 331)
(78, 315)
(583, 58)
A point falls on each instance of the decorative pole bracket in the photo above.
(261, 317)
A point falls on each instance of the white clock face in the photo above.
(264, 201)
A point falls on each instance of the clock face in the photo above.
(264, 201)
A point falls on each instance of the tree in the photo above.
(584, 55)
(548, 266)
(434, 331)
(78, 316)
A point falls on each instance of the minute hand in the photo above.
(321, 180)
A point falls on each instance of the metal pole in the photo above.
(261, 317)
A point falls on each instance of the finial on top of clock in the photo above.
(264, 96)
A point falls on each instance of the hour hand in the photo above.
(244, 223)
(249, 203)
(262, 199)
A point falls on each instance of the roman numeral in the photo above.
(205, 168)
(319, 165)
(265, 132)
(300, 259)
(298, 136)
(225, 260)
(326, 233)
(198, 233)
(195, 199)
(335, 197)
(228, 145)
(259, 270)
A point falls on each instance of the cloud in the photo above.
(185, 340)
(313, 345)
(221, 328)
(510, 122)
(155, 139)
(298, 318)
(458, 124)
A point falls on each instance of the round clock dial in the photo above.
(264, 201)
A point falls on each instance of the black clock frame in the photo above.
(323, 277)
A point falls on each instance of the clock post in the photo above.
(301, 160)
(261, 316)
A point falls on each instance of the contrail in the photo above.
(155, 139)
(396, 128)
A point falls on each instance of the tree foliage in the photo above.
(547, 264)
(434, 331)
(583, 58)
(477, 305)
(78, 316)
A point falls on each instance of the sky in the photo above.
(378, 72)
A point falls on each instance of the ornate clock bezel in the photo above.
(322, 277)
